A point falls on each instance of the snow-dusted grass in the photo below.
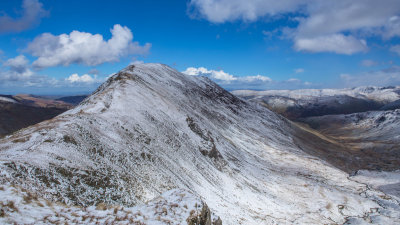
(19, 206)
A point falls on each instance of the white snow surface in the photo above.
(5, 99)
(150, 129)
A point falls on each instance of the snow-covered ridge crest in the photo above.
(150, 129)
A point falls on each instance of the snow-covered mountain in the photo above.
(150, 129)
(318, 102)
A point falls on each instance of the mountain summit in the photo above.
(150, 129)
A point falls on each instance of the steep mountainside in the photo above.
(295, 104)
(150, 129)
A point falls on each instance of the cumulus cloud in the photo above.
(256, 78)
(392, 29)
(84, 48)
(32, 13)
(18, 64)
(385, 77)
(338, 22)
(18, 69)
(337, 43)
(75, 78)
(215, 74)
(16, 73)
(256, 82)
(219, 11)
(395, 49)
(369, 63)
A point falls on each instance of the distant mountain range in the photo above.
(20, 111)
(151, 129)
(364, 119)
(295, 104)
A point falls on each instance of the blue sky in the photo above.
(59, 47)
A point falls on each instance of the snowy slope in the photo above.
(150, 129)
(318, 102)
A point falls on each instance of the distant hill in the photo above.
(302, 103)
(15, 116)
(22, 110)
(75, 100)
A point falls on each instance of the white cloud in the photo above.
(256, 82)
(338, 22)
(136, 62)
(75, 78)
(299, 70)
(392, 29)
(395, 49)
(369, 63)
(84, 48)
(196, 71)
(219, 11)
(18, 69)
(18, 64)
(329, 17)
(256, 78)
(231, 82)
(337, 43)
(221, 75)
(215, 74)
(32, 13)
